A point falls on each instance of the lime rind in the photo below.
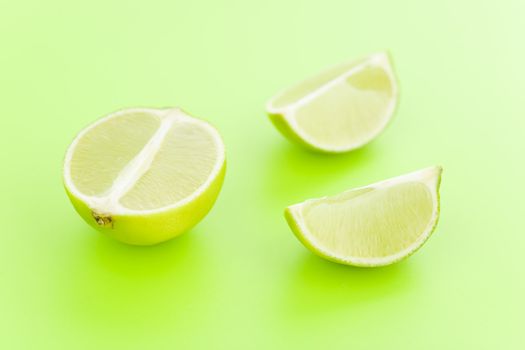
(136, 229)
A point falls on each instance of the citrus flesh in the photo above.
(373, 225)
(340, 109)
(145, 175)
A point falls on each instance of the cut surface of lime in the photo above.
(340, 109)
(373, 225)
(145, 175)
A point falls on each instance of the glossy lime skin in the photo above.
(158, 227)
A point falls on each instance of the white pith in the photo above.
(429, 177)
(108, 203)
(288, 112)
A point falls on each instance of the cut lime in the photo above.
(373, 225)
(340, 109)
(144, 176)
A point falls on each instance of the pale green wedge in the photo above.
(340, 109)
(373, 225)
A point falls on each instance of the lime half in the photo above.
(340, 109)
(373, 225)
(143, 175)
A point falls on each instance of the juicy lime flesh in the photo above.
(155, 176)
(306, 87)
(106, 148)
(369, 223)
(350, 111)
(182, 164)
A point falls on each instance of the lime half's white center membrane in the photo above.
(374, 225)
(340, 109)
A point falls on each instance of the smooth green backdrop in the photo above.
(240, 280)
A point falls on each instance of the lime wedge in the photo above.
(373, 225)
(144, 176)
(340, 109)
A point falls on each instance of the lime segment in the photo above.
(340, 109)
(373, 225)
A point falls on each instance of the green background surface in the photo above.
(240, 280)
